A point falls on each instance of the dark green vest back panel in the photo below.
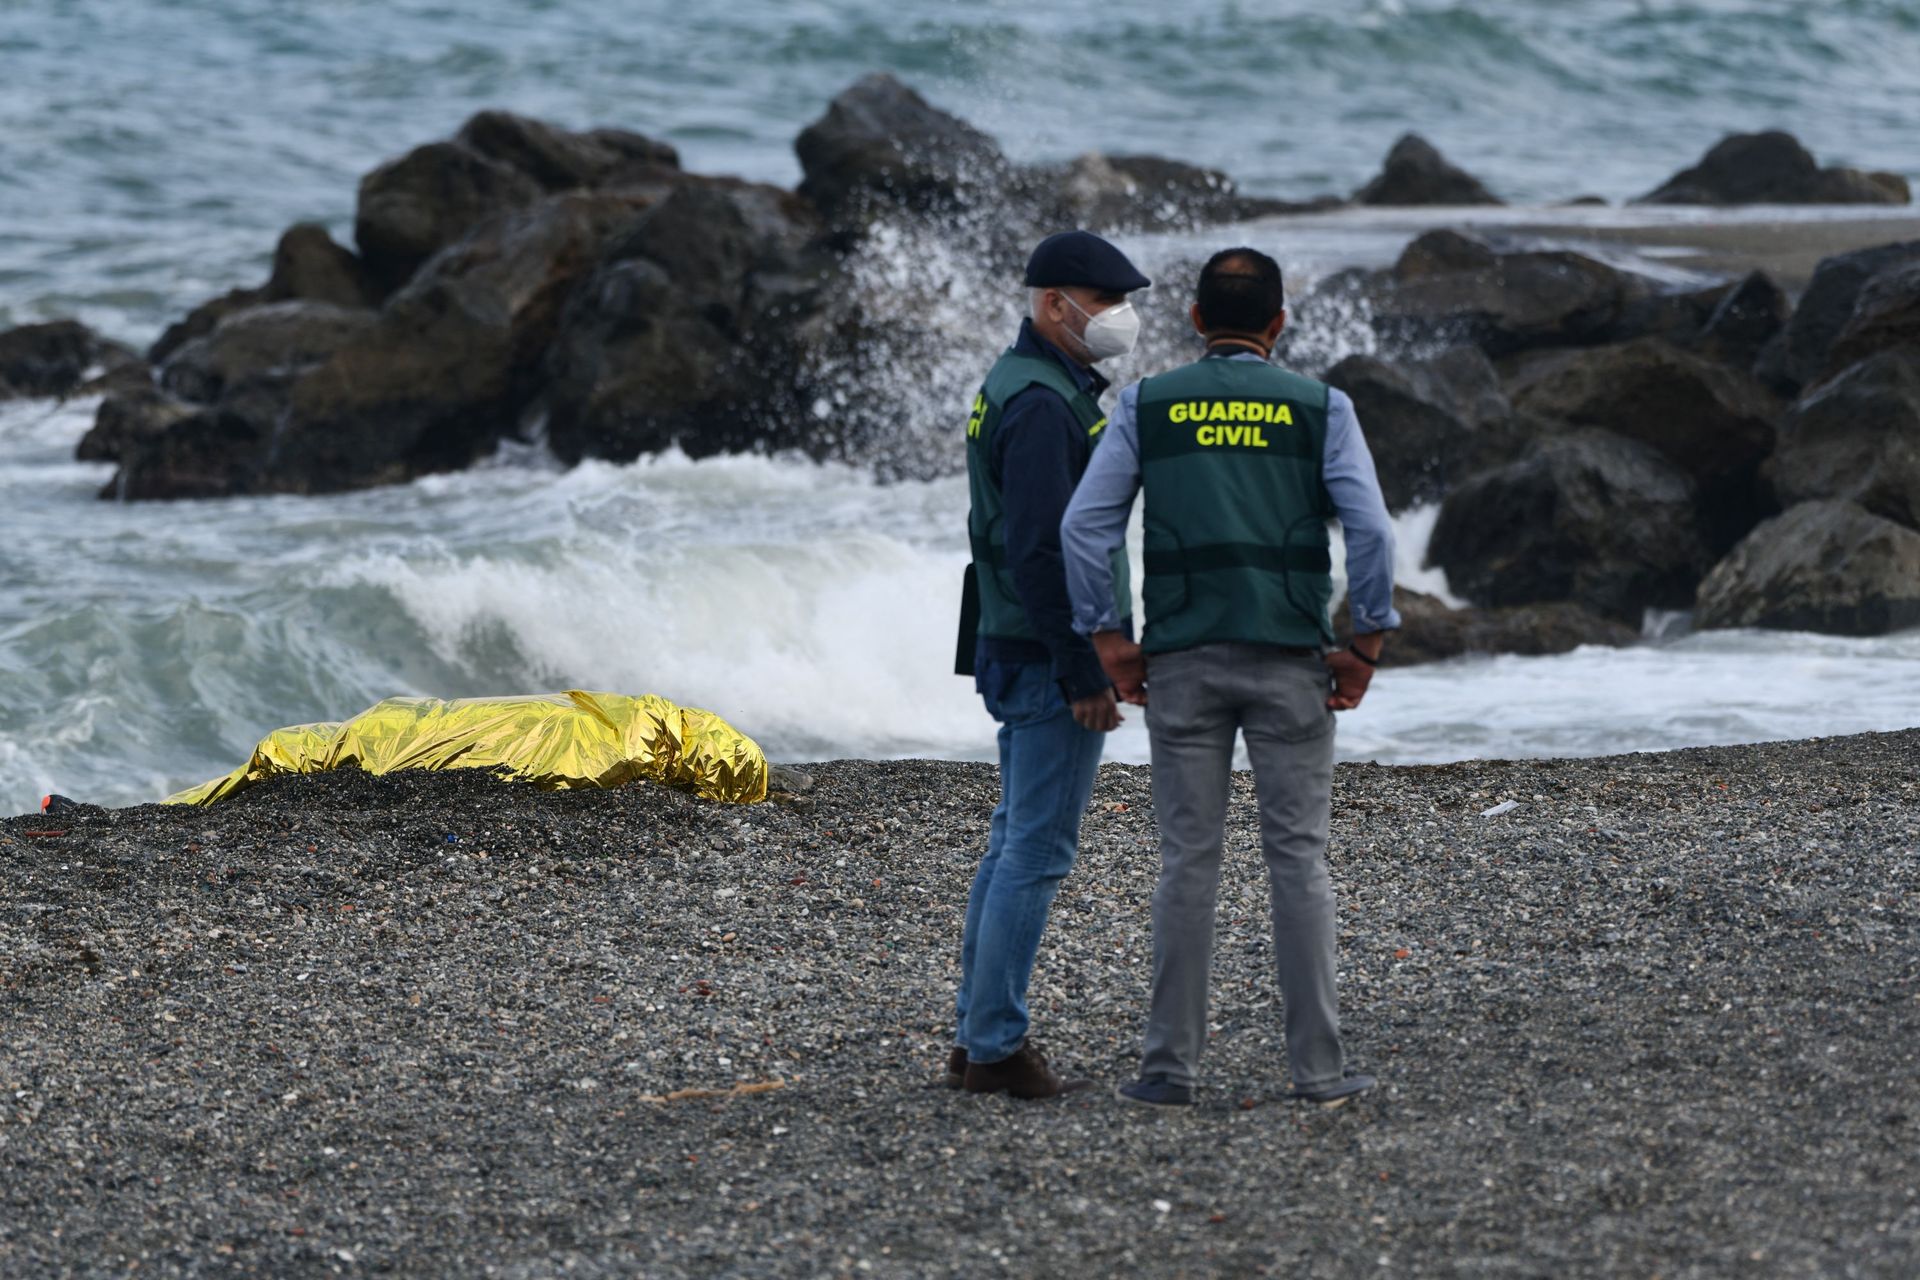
(1231, 459)
(1001, 615)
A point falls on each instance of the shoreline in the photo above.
(1662, 1016)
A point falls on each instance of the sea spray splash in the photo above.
(938, 300)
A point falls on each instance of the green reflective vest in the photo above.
(1001, 614)
(1232, 457)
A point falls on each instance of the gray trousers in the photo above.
(1197, 699)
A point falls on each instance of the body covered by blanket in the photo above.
(554, 740)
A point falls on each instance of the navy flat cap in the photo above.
(1082, 258)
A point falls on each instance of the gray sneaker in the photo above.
(1155, 1091)
(1337, 1094)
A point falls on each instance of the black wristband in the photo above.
(1355, 651)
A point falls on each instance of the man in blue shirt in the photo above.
(1242, 465)
(1034, 425)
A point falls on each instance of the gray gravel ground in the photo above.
(1661, 1018)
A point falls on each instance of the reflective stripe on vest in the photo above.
(1232, 455)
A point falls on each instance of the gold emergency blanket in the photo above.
(559, 741)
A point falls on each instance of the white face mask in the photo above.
(1110, 333)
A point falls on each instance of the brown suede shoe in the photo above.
(956, 1076)
(1024, 1075)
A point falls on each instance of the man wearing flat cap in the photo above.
(1033, 428)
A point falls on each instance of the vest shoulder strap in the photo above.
(1014, 373)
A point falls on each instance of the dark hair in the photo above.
(1240, 291)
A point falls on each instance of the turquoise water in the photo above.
(150, 155)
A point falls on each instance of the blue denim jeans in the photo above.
(1047, 763)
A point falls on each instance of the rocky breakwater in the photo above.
(520, 279)
(1601, 447)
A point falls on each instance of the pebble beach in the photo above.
(1661, 1016)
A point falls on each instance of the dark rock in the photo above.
(1857, 437)
(1438, 252)
(128, 416)
(1432, 630)
(1896, 186)
(1748, 316)
(1772, 168)
(308, 265)
(275, 341)
(1430, 423)
(200, 322)
(46, 359)
(1415, 174)
(1825, 566)
(208, 453)
(430, 382)
(1825, 308)
(413, 207)
(562, 160)
(689, 330)
(1136, 192)
(1450, 288)
(1680, 315)
(455, 356)
(1886, 316)
(122, 372)
(881, 145)
(1141, 193)
(1714, 423)
(1588, 517)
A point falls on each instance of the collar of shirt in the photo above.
(1030, 343)
(1234, 353)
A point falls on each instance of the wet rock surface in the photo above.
(1448, 288)
(690, 329)
(880, 145)
(1429, 423)
(1825, 309)
(127, 419)
(52, 359)
(1588, 517)
(414, 206)
(1415, 173)
(1886, 317)
(1659, 1017)
(1823, 565)
(1714, 423)
(275, 341)
(1772, 167)
(1857, 437)
(1432, 630)
(1752, 313)
(565, 160)
(309, 265)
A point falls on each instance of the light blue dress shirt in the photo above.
(1096, 519)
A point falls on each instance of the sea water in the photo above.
(150, 154)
